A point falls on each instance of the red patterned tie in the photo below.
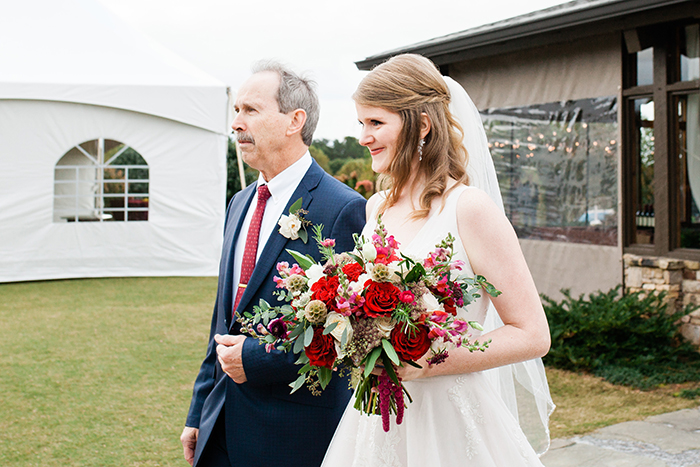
(251, 243)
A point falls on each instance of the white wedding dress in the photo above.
(457, 420)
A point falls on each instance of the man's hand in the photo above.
(229, 351)
(188, 438)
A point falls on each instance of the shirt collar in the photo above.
(283, 185)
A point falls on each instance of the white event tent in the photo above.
(112, 149)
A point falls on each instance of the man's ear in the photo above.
(425, 124)
(296, 124)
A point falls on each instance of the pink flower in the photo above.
(407, 296)
(282, 266)
(328, 243)
(392, 242)
(439, 316)
(460, 326)
(435, 333)
(441, 285)
(296, 270)
(269, 347)
(457, 264)
(279, 281)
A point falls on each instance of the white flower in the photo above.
(360, 283)
(431, 303)
(314, 273)
(343, 324)
(289, 226)
(303, 300)
(385, 325)
(369, 252)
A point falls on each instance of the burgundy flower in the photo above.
(321, 351)
(278, 328)
(411, 345)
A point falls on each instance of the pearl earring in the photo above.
(420, 149)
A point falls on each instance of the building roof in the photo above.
(577, 19)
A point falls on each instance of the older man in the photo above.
(242, 412)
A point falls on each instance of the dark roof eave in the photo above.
(512, 29)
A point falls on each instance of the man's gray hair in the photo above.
(295, 92)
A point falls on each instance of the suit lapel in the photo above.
(276, 243)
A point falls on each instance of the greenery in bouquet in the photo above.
(368, 311)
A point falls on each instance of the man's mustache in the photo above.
(246, 137)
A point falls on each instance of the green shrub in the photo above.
(630, 339)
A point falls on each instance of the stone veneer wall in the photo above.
(680, 280)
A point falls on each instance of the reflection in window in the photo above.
(690, 53)
(557, 168)
(645, 67)
(643, 145)
(687, 130)
(101, 180)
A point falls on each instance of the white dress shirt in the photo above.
(281, 189)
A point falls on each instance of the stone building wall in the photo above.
(680, 279)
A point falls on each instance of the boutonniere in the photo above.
(294, 225)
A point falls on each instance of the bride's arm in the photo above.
(494, 252)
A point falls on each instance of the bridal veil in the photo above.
(523, 386)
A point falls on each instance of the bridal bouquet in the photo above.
(369, 310)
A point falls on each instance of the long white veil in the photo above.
(523, 386)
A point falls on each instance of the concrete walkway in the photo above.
(668, 440)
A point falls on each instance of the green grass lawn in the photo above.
(99, 372)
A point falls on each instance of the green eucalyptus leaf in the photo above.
(295, 332)
(372, 360)
(299, 382)
(391, 353)
(303, 235)
(329, 329)
(308, 336)
(298, 345)
(305, 262)
(324, 376)
(296, 206)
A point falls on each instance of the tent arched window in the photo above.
(101, 180)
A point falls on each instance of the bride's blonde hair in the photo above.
(410, 85)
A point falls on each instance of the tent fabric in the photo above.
(75, 75)
(77, 51)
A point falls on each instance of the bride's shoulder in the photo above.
(373, 202)
(475, 207)
(474, 199)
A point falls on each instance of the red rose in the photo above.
(413, 344)
(321, 351)
(326, 289)
(353, 271)
(381, 299)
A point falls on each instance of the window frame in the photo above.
(663, 39)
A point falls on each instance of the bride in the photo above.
(476, 409)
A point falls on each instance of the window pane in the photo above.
(644, 170)
(557, 168)
(689, 56)
(91, 182)
(645, 67)
(687, 132)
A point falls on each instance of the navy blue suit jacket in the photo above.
(265, 424)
